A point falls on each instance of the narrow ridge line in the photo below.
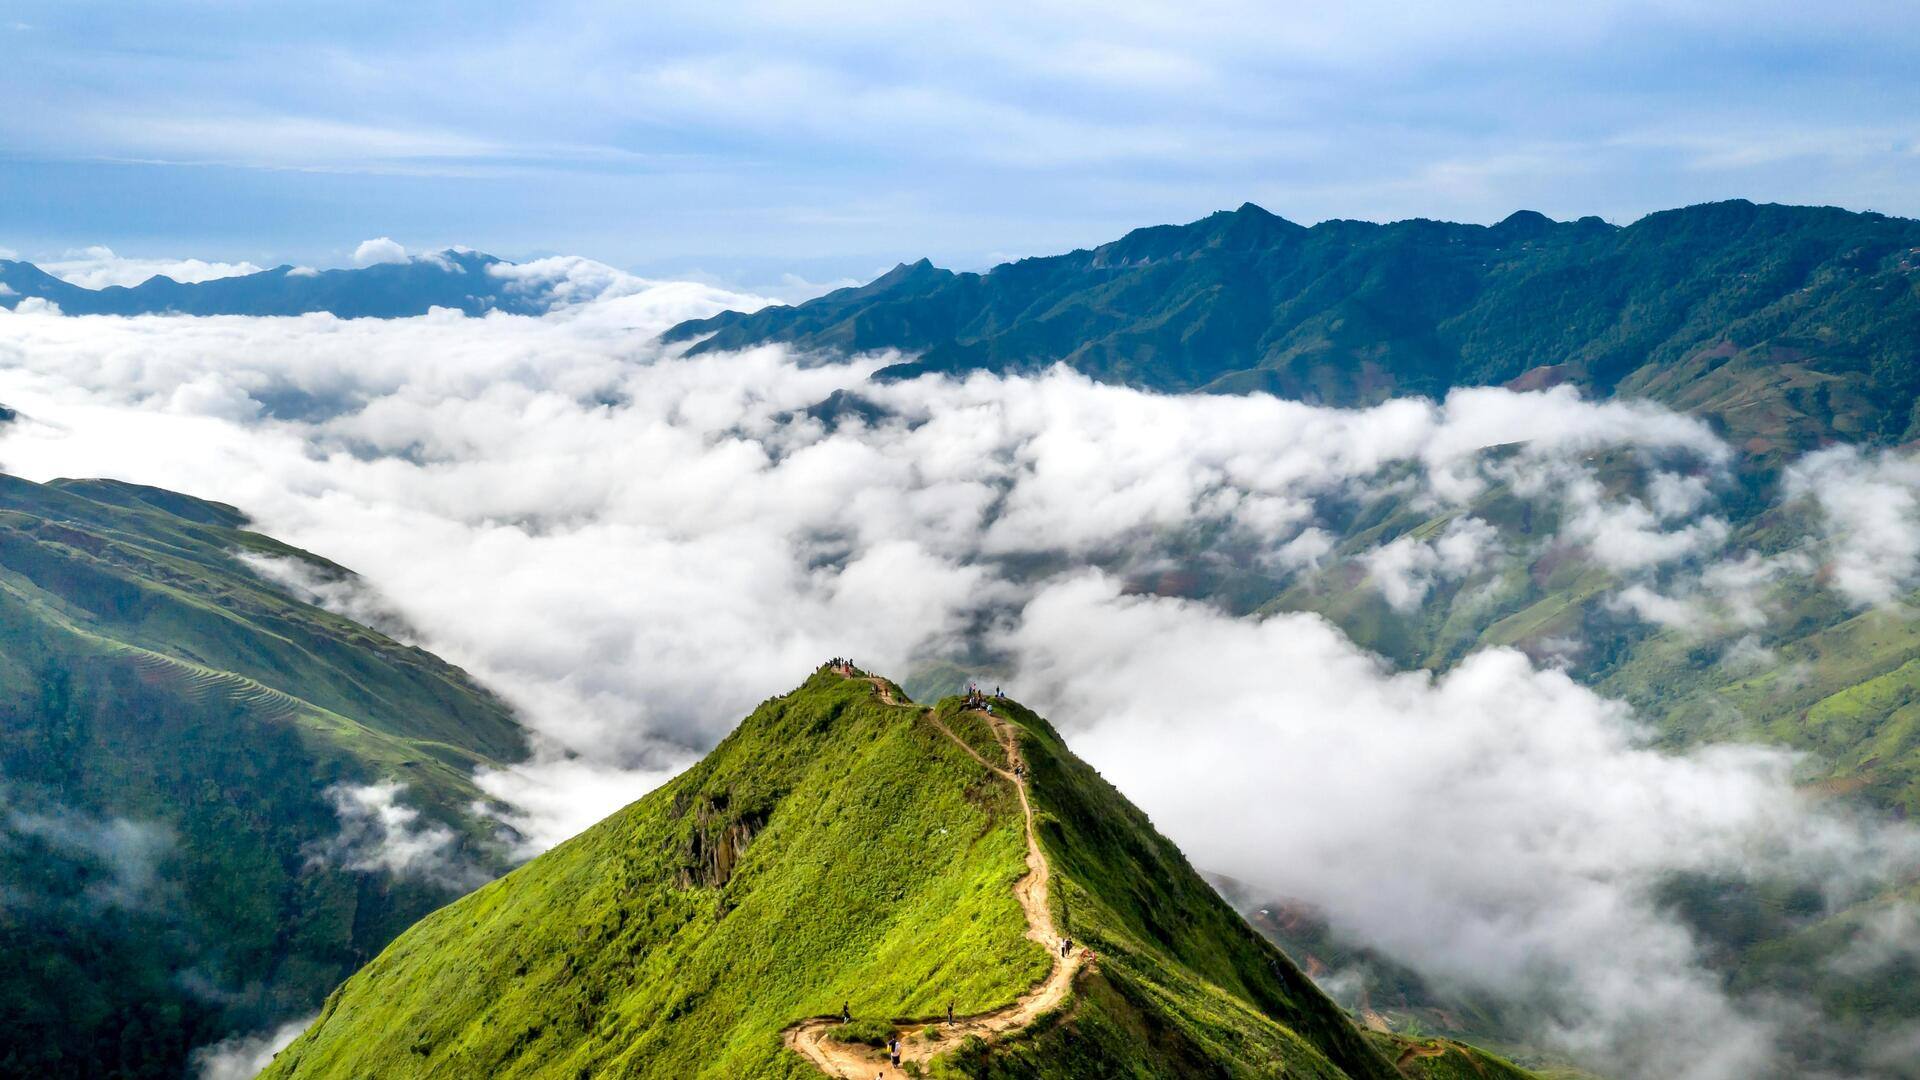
(846, 1061)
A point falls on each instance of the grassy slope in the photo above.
(1445, 1059)
(1178, 966)
(146, 676)
(879, 873)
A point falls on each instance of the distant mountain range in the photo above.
(1786, 326)
(467, 281)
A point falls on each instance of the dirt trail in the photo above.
(921, 1040)
(1428, 1049)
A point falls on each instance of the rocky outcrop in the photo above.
(717, 841)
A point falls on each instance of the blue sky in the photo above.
(832, 139)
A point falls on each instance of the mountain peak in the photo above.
(1350, 312)
(846, 867)
(1525, 224)
(905, 272)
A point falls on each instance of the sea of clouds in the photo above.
(635, 548)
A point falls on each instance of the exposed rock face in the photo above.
(719, 838)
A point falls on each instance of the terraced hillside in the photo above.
(176, 730)
(847, 855)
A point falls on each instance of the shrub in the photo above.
(862, 1032)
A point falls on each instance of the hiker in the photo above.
(846, 1015)
(949, 1014)
(893, 1045)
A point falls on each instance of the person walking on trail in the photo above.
(846, 1014)
(949, 1014)
(893, 1047)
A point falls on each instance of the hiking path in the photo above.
(920, 1040)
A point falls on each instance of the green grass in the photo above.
(878, 874)
(1176, 961)
(1444, 1059)
(863, 1032)
(148, 676)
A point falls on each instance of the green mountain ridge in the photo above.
(1785, 325)
(840, 850)
(175, 730)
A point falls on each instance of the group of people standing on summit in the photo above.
(976, 698)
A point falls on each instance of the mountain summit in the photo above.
(1789, 325)
(845, 872)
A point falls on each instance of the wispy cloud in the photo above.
(243, 1057)
(380, 833)
(97, 267)
(665, 541)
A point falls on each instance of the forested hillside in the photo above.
(218, 798)
(1786, 325)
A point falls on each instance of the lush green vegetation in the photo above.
(1171, 949)
(870, 863)
(871, 866)
(1787, 325)
(169, 724)
(1445, 1059)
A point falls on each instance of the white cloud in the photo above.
(594, 484)
(1500, 827)
(568, 279)
(555, 797)
(243, 1057)
(1674, 495)
(665, 541)
(1889, 934)
(1305, 551)
(1871, 506)
(1406, 569)
(1655, 607)
(379, 250)
(98, 267)
(131, 851)
(7, 290)
(1624, 534)
(380, 833)
(1730, 595)
(36, 305)
(344, 595)
(1747, 654)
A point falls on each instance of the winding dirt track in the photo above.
(921, 1040)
